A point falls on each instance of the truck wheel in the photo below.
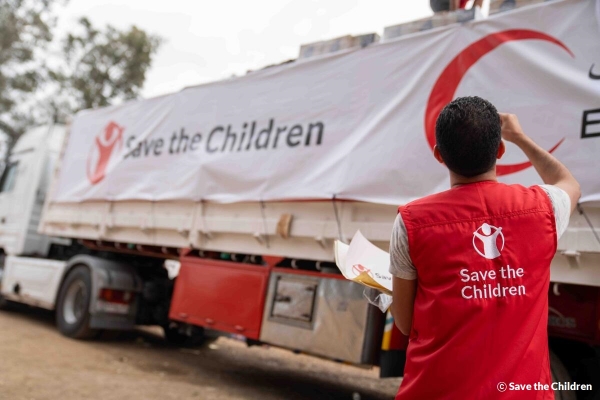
(560, 374)
(73, 305)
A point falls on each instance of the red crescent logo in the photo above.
(445, 87)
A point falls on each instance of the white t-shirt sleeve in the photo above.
(401, 265)
(561, 205)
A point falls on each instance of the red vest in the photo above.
(482, 253)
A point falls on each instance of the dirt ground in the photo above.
(36, 363)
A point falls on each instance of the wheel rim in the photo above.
(74, 305)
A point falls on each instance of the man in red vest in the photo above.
(471, 265)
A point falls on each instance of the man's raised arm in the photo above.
(552, 171)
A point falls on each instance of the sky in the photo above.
(206, 41)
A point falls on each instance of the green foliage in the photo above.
(102, 67)
(25, 30)
(94, 67)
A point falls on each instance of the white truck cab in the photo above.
(34, 266)
(23, 188)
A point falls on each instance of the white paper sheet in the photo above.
(364, 263)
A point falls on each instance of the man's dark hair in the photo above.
(467, 134)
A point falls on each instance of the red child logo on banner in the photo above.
(105, 145)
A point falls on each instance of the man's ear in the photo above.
(437, 155)
(501, 150)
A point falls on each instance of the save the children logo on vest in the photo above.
(106, 144)
(488, 241)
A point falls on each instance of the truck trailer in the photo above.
(213, 210)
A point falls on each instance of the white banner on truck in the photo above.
(355, 125)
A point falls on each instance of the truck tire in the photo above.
(560, 374)
(73, 305)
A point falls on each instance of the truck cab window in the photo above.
(7, 181)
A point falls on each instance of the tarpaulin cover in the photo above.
(355, 124)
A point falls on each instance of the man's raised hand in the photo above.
(552, 171)
(511, 129)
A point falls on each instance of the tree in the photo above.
(25, 31)
(92, 68)
(101, 68)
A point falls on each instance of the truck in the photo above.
(214, 210)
